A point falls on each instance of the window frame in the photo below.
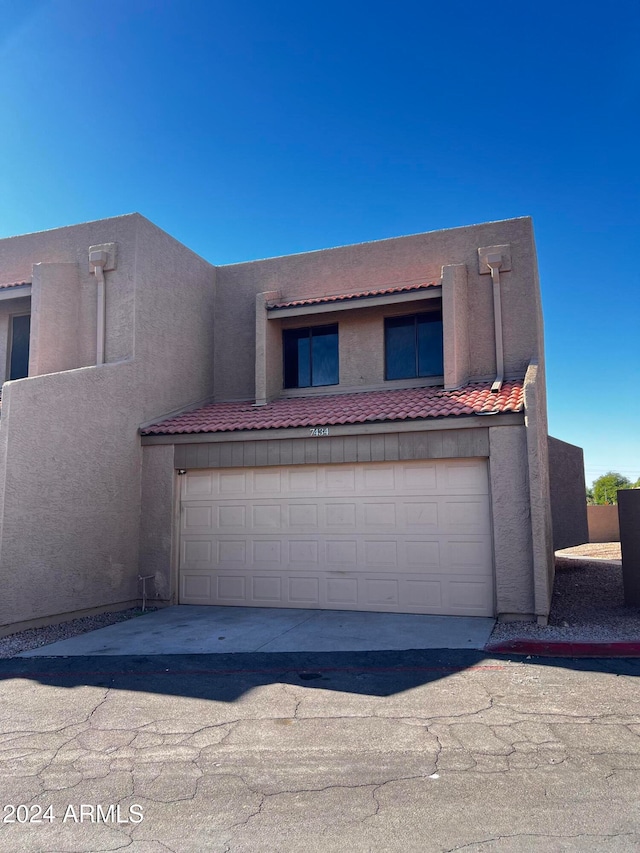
(437, 317)
(310, 330)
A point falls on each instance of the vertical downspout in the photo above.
(98, 260)
(494, 262)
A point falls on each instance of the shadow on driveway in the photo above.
(226, 678)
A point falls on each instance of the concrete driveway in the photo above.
(219, 630)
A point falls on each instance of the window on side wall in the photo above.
(413, 346)
(310, 356)
(19, 356)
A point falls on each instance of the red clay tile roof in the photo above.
(363, 407)
(344, 297)
(14, 284)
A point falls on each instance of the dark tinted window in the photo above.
(310, 356)
(20, 328)
(413, 346)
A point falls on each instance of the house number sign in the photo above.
(316, 432)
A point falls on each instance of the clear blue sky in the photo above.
(252, 128)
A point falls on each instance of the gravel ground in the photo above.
(588, 606)
(33, 638)
(601, 550)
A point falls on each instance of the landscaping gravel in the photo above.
(588, 606)
(33, 638)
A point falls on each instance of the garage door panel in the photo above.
(423, 593)
(266, 553)
(266, 589)
(303, 591)
(197, 553)
(230, 589)
(372, 536)
(468, 515)
(341, 479)
(196, 587)
(199, 484)
(266, 516)
(267, 481)
(457, 595)
(303, 552)
(421, 515)
(466, 594)
(342, 553)
(328, 515)
(469, 555)
(303, 515)
(423, 555)
(230, 483)
(231, 552)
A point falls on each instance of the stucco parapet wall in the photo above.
(455, 423)
(45, 383)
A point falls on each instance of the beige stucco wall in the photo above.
(55, 317)
(536, 429)
(456, 322)
(70, 456)
(381, 264)
(568, 494)
(603, 524)
(157, 529)
(512, 534)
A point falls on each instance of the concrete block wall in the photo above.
(603, 524)
(629, 514)
(567, 491)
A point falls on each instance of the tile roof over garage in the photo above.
(14, 284)
(344, 297)
(358, 408)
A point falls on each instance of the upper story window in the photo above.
(413, 346)
(310, 356)
(19, 355)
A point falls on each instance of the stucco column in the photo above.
(539, 493)
(455, 322)
(265, 332)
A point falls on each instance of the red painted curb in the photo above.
(566, 649)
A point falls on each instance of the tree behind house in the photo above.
(604, 489)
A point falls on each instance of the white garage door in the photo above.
(406, 537)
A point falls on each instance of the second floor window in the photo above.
(310, 356)
(19, 358)
(413, 346)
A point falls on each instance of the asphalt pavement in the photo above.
(339, 751)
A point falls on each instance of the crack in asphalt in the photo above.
(496, 738)
(544, 835)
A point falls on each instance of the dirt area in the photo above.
(599, 550)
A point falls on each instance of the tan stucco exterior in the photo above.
(603, 523)
(467, 306)
(86, 507)
(568, 491)
(70, 456)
